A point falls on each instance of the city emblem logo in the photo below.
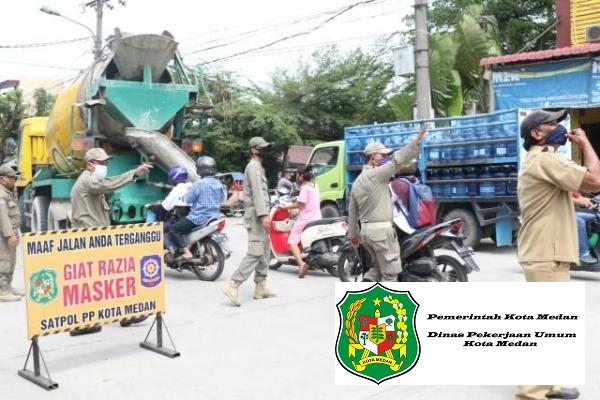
(377, 339)
(150, 270)
(42, 286)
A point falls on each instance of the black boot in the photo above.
(85, 331)
(127, 322)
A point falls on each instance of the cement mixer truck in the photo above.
(130, 102)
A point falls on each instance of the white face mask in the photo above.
(100, 171)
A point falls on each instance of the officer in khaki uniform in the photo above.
(548, 242)
(371, 205)
(256, 221)
(89, 206)
(10, 219)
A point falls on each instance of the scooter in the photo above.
(320, 241)
(419, 262)
(593, 240)
(208, 245)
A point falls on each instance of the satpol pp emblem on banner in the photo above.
(377, 339)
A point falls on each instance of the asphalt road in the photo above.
(280, 348)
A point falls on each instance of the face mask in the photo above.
(100, 171)
(384, 160)
(557, 136)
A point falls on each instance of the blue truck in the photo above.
(470, 162)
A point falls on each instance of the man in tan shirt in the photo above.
(89, 206)
(371, 206)
(547, 242)
(10, 219)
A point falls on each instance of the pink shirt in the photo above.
(309, 206)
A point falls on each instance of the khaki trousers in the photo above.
(8, 261)
(548, 271)
(535, 392)
(383, 247)
(258, 254)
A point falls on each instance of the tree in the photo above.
(43, 102)
(330, 92)
(364, 337)
(12, 111)
(241, 117)
(519, 21)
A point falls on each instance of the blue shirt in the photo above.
(205, 196)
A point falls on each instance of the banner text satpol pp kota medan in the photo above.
(86, 277)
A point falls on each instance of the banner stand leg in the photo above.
(158, 347)
(34, 376)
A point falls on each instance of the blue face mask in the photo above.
(557, 136)
(384, 160)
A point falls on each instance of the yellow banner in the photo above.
(84, 277)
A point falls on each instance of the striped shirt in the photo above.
(205, 197)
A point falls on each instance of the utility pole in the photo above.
(422, 60)
(99, 6)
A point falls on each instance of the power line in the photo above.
(283, 23)
(237, 37)
(23, 46)
(40, 65)
(344, 10)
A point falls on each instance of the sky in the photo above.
(208, 32)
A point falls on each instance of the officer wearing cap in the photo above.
(370, 211)
(547, 240)
(256, 221)
(10, 219)
(89, 206)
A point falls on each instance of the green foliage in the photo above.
(331, 92)
(43, 102)
(12, 111)
(516, 22)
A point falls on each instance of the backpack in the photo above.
(417, 200)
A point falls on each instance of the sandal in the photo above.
(303, 270)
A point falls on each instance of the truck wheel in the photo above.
(24, 222)
(39, 213)
(329, 211)
(471, 229)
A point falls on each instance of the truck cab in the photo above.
(327, 160)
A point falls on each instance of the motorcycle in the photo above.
(209, 245)
(593, 242)
(419, 262)
(320, 241)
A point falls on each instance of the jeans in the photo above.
(582, 219)
(178, 229)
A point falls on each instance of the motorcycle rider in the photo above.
(309, 205)
(585, 258)
(175, 201)
(205, 197)
(371, 206)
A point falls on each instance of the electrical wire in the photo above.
(344, 10)
(23, 46)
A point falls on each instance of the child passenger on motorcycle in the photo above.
(309, 205)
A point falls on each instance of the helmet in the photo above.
(206, 166)
(178, 174)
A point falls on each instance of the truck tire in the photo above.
(39, 213)
(330, 211)
(471, 229)
(25, 224)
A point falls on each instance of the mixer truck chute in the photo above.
(130, 102)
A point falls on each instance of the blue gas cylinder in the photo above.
(436, 188)
(485, 147)
(445, 152)
(355, 157)
(511, 186)
(433, 152)
(473, 186)
(459, 150)
(486, 189)
(500, 186)
(459, 188)
(446, 187)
